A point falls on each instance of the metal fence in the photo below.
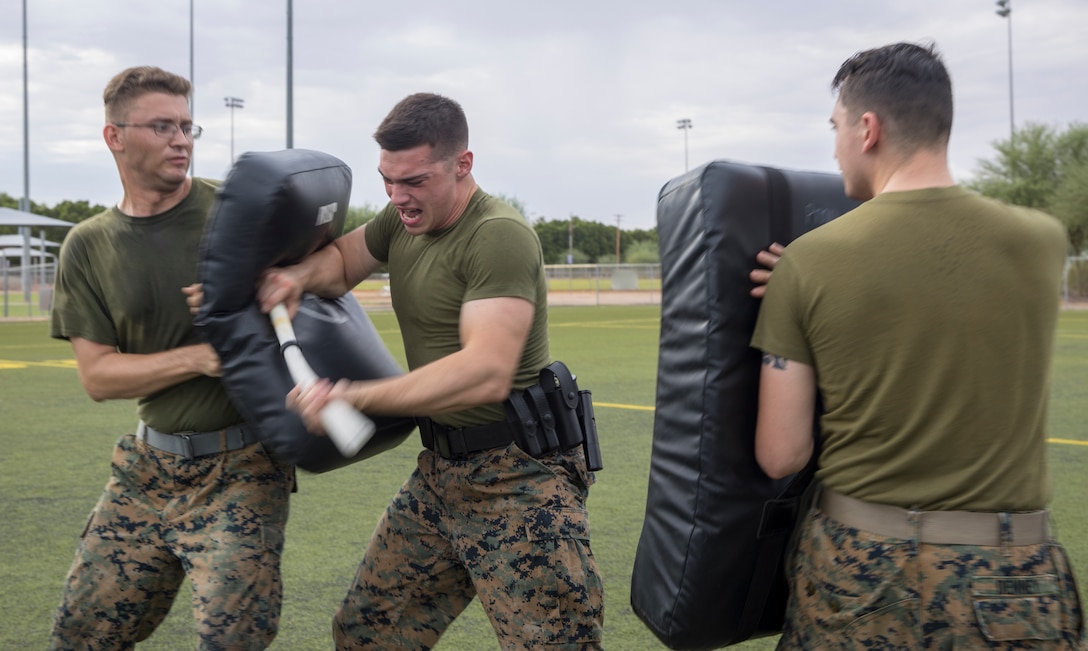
(604, 284)
(568, 284)
(26, 291)
(29, 293)
(1075, 283)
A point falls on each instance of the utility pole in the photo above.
(619, 218)
(570, 239)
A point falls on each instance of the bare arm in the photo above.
(331, 271)
(493, 334)
(107, 374)
(760, 277)
(787, 403)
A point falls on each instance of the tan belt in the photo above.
(938, 527)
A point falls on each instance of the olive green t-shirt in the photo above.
(929, 317)
(491, 251)
(119, 283)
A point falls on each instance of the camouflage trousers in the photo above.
(217, 519)
(501, 524)
(850, 589)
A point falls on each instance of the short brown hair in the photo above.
(425, 119)
(127, 85)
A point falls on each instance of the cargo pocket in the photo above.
(570, 595)
(1011, 608)
(545, 525)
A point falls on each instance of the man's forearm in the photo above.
(117, 376)
(444, 386)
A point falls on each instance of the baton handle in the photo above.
(348, 428)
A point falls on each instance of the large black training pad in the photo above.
(274, 209)
(708, 569)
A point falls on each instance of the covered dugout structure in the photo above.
(24, 221)
(708, 569)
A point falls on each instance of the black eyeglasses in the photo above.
(167, 130)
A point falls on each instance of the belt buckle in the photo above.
(243, 441)
(442, 441)
(187, 437)
(450, 442)
(457, 443)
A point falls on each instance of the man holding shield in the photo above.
(192, 494)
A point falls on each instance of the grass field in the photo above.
(56, 446)
(555, 284)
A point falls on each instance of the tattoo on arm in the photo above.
(774, 361)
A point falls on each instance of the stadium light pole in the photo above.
(192, 91)
(684, 125)
(233, 103)
(1005, 11)
(24, 203)
(290, 76)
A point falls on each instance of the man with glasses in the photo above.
(192, 493)
(167, 130)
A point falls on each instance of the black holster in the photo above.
(554, 415)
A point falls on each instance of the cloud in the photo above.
(572, 105)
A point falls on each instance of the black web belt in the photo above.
(459, 442)
(196, 444)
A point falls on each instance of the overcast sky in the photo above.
(572, 106)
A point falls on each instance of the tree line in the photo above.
(594, 242)
(1045, 168)
(584, 241)
(1039, 166)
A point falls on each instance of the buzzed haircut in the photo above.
(132, 83)
(425, 119)
(907, 86)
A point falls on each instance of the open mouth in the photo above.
(410, 217)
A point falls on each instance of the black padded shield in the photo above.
(274, 209)
(707, 568)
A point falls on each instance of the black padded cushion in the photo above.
(699, 580)
(274, 209)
